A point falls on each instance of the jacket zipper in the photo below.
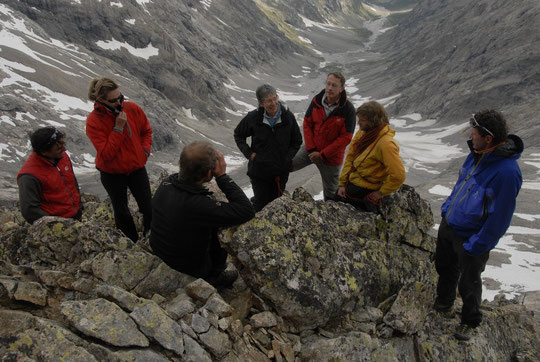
(67, 188)
(463, 185)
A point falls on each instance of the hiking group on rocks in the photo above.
(183, 219)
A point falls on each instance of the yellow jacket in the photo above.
(381, 170)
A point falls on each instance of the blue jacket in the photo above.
(483, 200)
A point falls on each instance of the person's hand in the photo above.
(121, 119)
(221, 166)
(341, 191)
(374, 197)
(315, 157)
(252, 157)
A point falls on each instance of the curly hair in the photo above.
(99, 87)
(196, 159)
(493, 121)
(374, 112)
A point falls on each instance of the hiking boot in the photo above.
(225, 279)
(464, 332)
(447, 310)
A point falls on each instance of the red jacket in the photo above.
(119, 153)
(59, 193)
(329, 135)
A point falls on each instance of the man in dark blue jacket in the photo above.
(275, 139)
(185, 227)
(476, 215)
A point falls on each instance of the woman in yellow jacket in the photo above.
(373, 168)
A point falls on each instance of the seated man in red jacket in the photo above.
(47, 184)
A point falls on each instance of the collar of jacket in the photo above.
(260, 115)
(511, 148)
(342, 98)
(190, 187)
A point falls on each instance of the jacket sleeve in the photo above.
(394, 167)
(308, 129)
(296, 139)
(106, 143)
(343, 178)
(241, 132)
(345, 135)
(30, 198)
(501, 203)
(213, 213)
(146, 132)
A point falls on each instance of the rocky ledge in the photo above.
(319, 281)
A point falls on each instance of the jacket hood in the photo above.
(513, 147)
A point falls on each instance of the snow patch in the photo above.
(440, 190)
(144, 53)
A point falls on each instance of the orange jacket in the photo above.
(378, 167)
(119, 153)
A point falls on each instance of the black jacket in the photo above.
(275, 146)
(186, 219)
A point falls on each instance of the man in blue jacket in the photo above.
(476, 215)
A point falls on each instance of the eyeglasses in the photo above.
(473, 122)
(119, 98)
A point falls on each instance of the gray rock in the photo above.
(120, 296)
(180, 305)
(125, 269)
(310, 260)
(211, 317)
(188, 330)
(217, 342)
(200, 289)
(162, 280)
(140, 356)
(104, 320)
(193, 351)
(53, 278)
(156, 324)
(217, 305)
(31, 338)
(31, 292)
(263, 320)
(84, 285)
(199, 324)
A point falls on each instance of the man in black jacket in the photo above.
(186, 219)
(275, 139)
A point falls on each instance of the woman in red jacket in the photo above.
(122, 136)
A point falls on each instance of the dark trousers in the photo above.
(116, 186)
(266, 190)
(355, 196)
(215, 261)
(458, 267)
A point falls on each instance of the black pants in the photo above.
(116, 186)
(356, 195)
(266, 190)
(457, 267)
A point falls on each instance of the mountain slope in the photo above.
(449, 59)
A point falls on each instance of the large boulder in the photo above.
(314, 261)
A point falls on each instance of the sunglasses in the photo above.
(473, 122)
(119, 98)
(56, 138)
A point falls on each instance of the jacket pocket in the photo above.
(470, 206)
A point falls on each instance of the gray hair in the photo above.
(263, 91)
(196, 159)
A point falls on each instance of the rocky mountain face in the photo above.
(449, 59)
(192, 45)
(319, 281)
